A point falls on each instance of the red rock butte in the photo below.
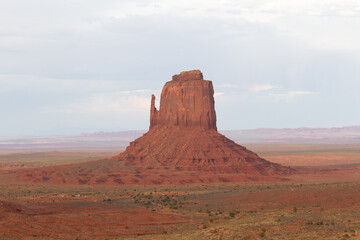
(187, 102)
(182, 146)
(183, 134)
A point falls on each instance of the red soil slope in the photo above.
(199, 150)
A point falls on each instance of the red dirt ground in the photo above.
(116, 172)
(69, 220)
(29, 216)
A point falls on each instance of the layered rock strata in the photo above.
(187, 102)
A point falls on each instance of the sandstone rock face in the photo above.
(188, 76)
(183, 134)
(187, 101)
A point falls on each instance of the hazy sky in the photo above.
(68, 66)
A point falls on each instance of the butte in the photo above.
(182, 146)
(183, 134)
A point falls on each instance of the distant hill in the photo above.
(123, 134)
(119, 140)
(296, 135)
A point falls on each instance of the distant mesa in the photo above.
(183, 134)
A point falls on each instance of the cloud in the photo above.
(80, 57)
(16, 82)
(279, 92)
(291, 94)
(227, 85)
(218, 94)
(262, 87)
(138, 91)
(107, 103)
(294, 93)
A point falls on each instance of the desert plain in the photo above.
(320, 201)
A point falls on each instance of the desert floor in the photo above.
(320, 201)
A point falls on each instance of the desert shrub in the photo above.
(232, 214)
(262, 233)
(173, 207)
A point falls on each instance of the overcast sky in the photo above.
(68, 66)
